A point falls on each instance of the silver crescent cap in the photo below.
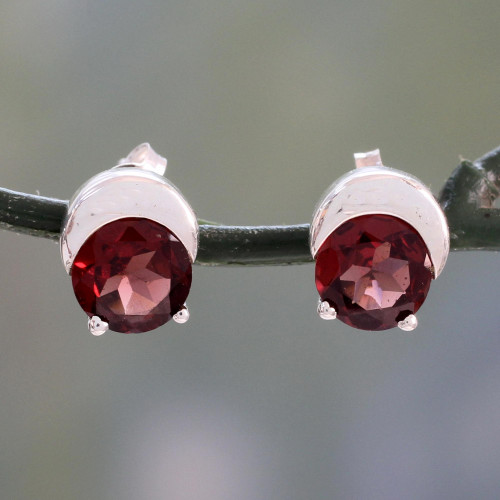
(127, 191)
(382, 190)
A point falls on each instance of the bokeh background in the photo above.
(258, 106)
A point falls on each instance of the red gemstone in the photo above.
(133, 273)
(374, 270)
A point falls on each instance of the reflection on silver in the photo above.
(132, 189)
(409, 323)
(375, 189)
(182, 316)
(325, 310)
(97, 326)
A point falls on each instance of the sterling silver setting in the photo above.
(375, 189)
(133, 188)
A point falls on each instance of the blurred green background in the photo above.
(258, 107)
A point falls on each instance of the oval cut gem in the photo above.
(374, 270)
(133, 273)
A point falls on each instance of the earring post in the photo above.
(368, 159)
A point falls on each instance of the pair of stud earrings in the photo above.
(129, 240)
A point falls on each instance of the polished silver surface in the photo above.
(409, 323)
(325, 310)
(182, 316)
(128, 190)
(97, 326)
(382, 190)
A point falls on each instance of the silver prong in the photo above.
(182, 315)
(325, 310)
(97, 326)
(409, 323)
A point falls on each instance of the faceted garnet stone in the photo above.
(374, 270)
(133, 273)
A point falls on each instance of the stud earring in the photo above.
(128, 242)
(378, 237)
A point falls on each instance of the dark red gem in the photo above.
(133, 273)
(374, 270)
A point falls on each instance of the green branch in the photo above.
(468, 199)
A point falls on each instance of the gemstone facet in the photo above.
(132, 273)
(374, 270)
